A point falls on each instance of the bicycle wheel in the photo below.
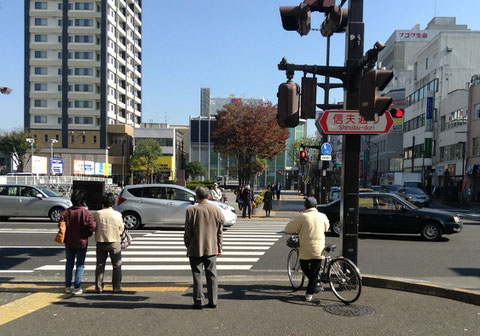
(295, 274)
(345, 280)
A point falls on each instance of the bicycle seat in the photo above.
(330, 248)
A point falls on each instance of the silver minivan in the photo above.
(162, 204)
(17, 200)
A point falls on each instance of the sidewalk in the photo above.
(253, 308)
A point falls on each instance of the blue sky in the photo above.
(228, 46)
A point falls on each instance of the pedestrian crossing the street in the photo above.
(243, 245)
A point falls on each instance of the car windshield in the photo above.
(393, 188)
(49, 192)
(414, 191)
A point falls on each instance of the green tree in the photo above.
(249, 132)
(194, 169)
(15, 145)
(145, 157)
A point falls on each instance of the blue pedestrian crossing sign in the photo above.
(326, 148)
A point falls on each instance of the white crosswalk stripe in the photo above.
(243, 245)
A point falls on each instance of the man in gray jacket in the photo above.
(203, 239)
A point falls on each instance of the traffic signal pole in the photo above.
(354, 39)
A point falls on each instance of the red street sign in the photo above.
(351, 122)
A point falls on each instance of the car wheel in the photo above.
(431, 231)
(131, 220)
(336, 228)
(4, 218)
(55, 214)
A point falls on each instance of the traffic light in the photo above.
(335, 22)
(296, 18)
(369, 103)
(397, 113)
(288, 104)
(308, 99)
(303, 157)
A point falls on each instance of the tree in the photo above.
(145, 157)
(15, 145)
(248, 132)
(194, 169)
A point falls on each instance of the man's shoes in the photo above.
(77, 291)
(211, 305)
(308, 297)
(318, 288)
(197, 306)
(117, 291)
(68, 290)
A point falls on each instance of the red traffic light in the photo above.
(397, 113)
(303, 154)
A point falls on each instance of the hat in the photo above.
(215, 184)
(310, 202)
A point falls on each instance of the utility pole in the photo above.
(351, 143)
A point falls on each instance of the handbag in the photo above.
(125, 239)
(62, 228)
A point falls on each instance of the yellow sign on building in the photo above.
(167, 165)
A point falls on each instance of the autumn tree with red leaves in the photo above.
(247, 132)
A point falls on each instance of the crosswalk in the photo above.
(243, 245)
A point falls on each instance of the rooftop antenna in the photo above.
(166, 118)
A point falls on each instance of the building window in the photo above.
(476, 111)
(40, 38)
(45, 138)
(84, 120)
(56, 137)
(40, 119)
(40, 87)
(40, 54)
(83, 88)
(83, 6)
(40, 103)
(83, 138)
(40, 71)
(41, 5)
(94, 139)
(83, 39)
(476, 147)
(40, 22)
(426, 63)
(83, 72)
(72, 139)
(84, 22)
(83, 55)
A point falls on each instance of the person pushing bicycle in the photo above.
(311, 226)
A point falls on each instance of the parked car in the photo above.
(18, 200)
(376, 188)
(388, 213)
(414, 195)
(390, 188)
(162, 204)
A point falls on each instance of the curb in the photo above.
(422, 287)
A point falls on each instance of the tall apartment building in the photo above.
(83, 73)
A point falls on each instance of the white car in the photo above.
(162, 204)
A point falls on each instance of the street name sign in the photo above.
(351, 122)
(326, 157)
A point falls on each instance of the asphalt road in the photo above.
(27, 245)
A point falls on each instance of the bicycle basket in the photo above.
(293, 242)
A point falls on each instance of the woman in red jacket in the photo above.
(79, 226)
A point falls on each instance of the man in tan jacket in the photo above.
(311, 226)
(203, 239)
(107, 235)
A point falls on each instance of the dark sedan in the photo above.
(388, 213)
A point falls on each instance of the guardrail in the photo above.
(49, 180)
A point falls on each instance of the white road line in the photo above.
(220, 259)
(182, 253)
(33, 247)
(146, 267)
(140, 242)
(224, 236)
(224, 239)
(16, 271)
(156, 247)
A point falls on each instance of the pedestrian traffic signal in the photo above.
(369, 103)
(303, 157)
(396, 113)
(288, 104)
(335, 22)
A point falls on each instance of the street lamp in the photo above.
(31, 141)
(52, 142)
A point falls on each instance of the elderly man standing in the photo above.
(203, 239)
(311, 226)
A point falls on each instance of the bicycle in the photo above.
(340, 273)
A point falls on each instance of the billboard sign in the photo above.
(39, 165)
(56, 166)
(89, 167)
(78, 167)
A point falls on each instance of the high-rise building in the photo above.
(83, 70)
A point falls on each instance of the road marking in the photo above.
(180, 243)
(220, 259)
(146, 267)
(24, 306)
(170, 247)
(183, 253)
(16, 271)
(225, 236)
(56, 288)
(180, 239)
